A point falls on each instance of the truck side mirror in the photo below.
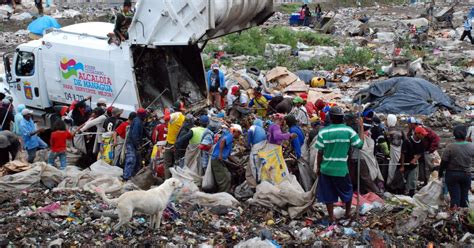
(6, 63)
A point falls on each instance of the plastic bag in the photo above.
(79, 143)
(40, 172)
(144, 179)
(186, 177)
(274, 167)
(430, 195)
(306, 174)
(208, 181)
(107, 183)
(100, 167)
(106, 152)
(243, 191)
(256, 242)
(217, 199)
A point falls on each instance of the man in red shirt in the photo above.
(160, 131)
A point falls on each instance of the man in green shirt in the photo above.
(333, 143)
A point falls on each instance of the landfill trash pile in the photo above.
(40, 216)
(428, 75)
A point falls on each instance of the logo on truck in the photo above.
(28, 90)
(70, 68)
(88, 77)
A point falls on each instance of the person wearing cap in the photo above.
(194, 134)
(113, 121)
(9, 146)
(457, 161)
(132, 143)
(6, 115)
(394, 138)
(412, 152)
(182, 140)
(174, 126)
(215, 83)
(412, 124)
(58, 142)
(17, 119)
(237, 102)
(299, 111)
(102, 103)
(29, 134)
(430, 142)
(260, 102)
(221, 153)
(275, 135)
(322, 108)
(333, 143)
(294, 129)
(119, 136)
(79, 112)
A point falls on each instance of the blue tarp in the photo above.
(405, 95)
(42, 23)
(305, 75)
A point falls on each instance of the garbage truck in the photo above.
(158, 64)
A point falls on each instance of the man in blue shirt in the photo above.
(215, 83)
(467, 29)
(29, 134)
(134, 138)
(298, 142)
(221, 153)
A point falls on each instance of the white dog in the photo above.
(151, 202)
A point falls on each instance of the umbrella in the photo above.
(42, 23)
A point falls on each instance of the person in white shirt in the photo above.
(299, 111)
(237, 102)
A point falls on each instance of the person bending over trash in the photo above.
(221, 153)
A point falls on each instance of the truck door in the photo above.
(25, 78)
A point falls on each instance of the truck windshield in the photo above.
(25, 64)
